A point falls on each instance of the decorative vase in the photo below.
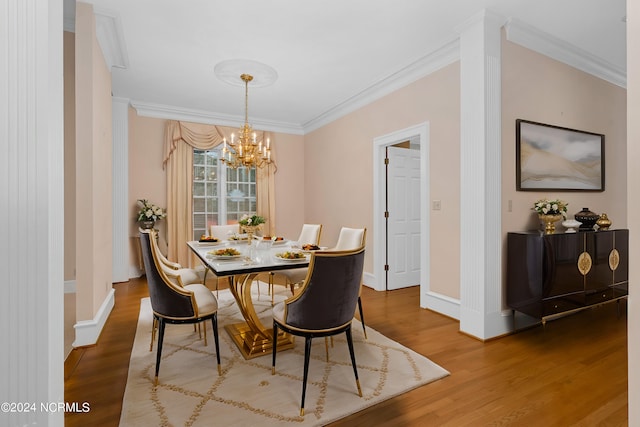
(147, 224)
(549, 222)
(587, 218)
(571, 225)
(251, 231)
(603, 222)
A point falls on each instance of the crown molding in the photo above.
(171, 112)
(555, 48)
(111, 38)
(443, 56)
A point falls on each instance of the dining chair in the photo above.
(180, 276)
(351, 238)
(174, 304)
(323, 307)
(222, 232)
(310, 234)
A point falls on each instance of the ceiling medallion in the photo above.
(229, 70)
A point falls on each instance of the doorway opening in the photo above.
(418, 138)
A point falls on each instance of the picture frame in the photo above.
(554, 158)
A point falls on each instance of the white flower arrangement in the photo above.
(251, 220)
(149, 211)
(551, 207)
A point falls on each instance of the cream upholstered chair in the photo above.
(185, 276)
(351, 238)
(324, 306)
(310, 234)
(175, 304)
(178, 275)
(222, 232)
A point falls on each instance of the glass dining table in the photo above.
(252, 338)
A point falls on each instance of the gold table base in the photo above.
(253, 345)
(252, 338)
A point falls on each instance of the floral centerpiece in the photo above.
(250, 224)
(550, 211)
(149, 213)
(251, 220)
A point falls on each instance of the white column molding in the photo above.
(480, 139)
(120, 118)
(31, 218)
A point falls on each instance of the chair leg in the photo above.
(161, 326)
(362, 317)
(154, 326)
(204, 331)
(326, 347)
(307, 356)
(214, 323)
(271, 274)
(353, 359)
(275, 346)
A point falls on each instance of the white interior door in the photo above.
(403, 186)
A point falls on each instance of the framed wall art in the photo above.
(553, 158)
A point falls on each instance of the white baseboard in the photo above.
(135, 272)
(442, 304)
(88, 331)
(69, 286)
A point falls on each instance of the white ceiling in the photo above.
(329, 54)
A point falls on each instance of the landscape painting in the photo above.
(556, 158)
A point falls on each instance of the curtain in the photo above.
(180, 140)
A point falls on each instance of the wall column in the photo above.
(480, 192)
(32, 209)
(633, 204)
(120, 109)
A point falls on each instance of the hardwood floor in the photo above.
(571, 372)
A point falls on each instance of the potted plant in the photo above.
(149, 214)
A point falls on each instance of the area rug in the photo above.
(190, 392)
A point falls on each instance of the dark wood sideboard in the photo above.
(551, 274)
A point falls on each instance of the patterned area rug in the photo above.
(190, 392)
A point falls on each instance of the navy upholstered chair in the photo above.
(172, 303)
(324, 306)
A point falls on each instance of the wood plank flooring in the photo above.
(571, 372)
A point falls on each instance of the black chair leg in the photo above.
(214, 321)
(275, 346)
(161, 325)
(362, 317)
(307, 356)
(353, 359)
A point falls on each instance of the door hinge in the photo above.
(386, 214)
(386, 267)
(386, 160)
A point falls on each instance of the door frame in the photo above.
(420, 134)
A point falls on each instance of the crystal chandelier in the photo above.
(245, 150)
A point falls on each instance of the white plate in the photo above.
(205, 244)
(290, 260)
(310, 251)
(224, 257)
(279, 242)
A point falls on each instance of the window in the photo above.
(221, 195)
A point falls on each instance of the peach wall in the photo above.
(69, 157)
(147, 178)
(93, 169)
(537, 88)
(339, 170)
